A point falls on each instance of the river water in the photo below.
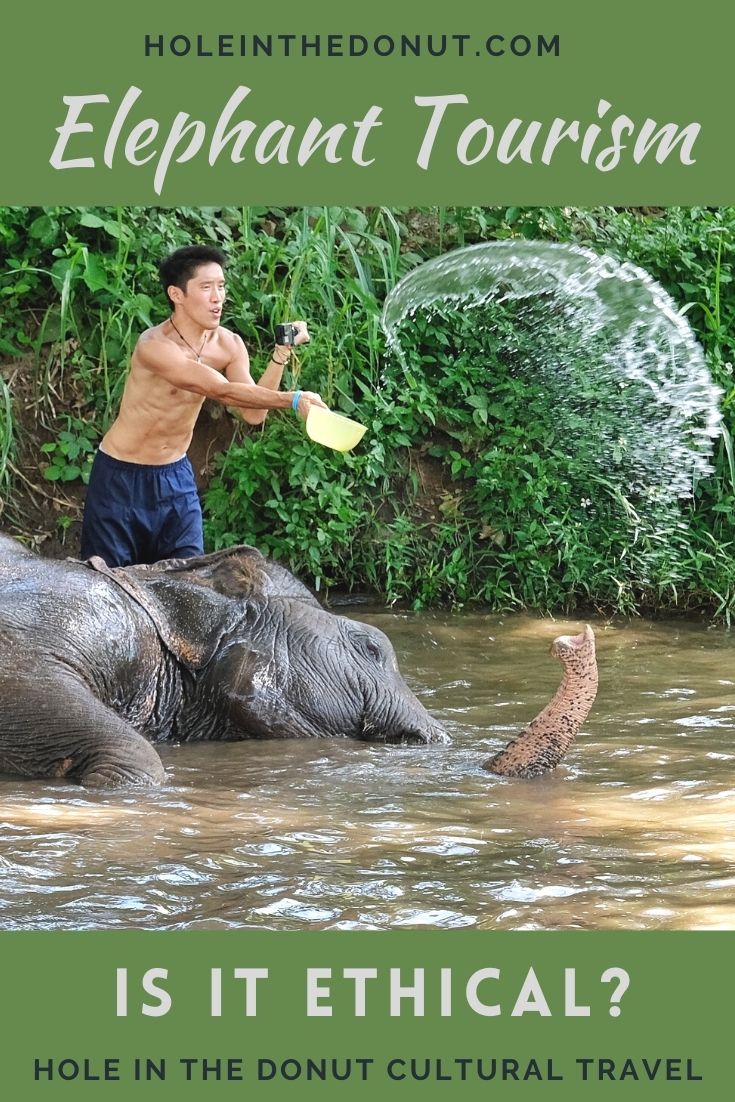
(635, 830)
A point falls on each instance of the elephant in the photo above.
(98, 664)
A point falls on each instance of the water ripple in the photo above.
(633, 831)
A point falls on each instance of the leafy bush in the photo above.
(71, 453)
(6, 439)
(461, 491)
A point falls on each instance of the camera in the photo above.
(286, 334)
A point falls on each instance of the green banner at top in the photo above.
(521, 103)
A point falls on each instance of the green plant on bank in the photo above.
(6, 440)
(71, 453)
(541, 521)
(461, 491)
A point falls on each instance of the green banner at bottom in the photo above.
(423, 1015)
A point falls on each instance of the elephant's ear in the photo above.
(235, 572)
(193, 603)
(191, 619)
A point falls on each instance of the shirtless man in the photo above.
(142, 503)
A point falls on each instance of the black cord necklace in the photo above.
(191, 346)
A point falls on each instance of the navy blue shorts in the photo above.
(139, 514)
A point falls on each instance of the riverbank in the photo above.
(462, 492)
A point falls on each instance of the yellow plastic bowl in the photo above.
(333, 430)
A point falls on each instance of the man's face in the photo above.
(203, 297)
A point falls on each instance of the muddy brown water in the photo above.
(636, 830)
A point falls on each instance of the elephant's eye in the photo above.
(370, 648)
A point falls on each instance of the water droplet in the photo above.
(630, 388)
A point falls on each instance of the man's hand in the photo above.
(306, 401)
(302, 333)
(301, 337)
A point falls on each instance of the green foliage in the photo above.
(535, 521)
(6, 439)
(461, 491)
(71, 453)
(304, 512)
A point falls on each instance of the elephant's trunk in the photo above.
(548, 737)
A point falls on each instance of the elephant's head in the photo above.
(267, 660)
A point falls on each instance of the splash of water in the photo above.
(622, 367)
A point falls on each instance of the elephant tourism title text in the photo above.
(414, 992)
(97, 131)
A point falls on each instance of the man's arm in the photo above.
(163, 358)
(238, 370)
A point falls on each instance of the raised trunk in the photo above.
(542, 745)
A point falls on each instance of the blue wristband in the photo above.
(296, 399)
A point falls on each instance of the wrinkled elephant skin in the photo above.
(97, 665)
(542, 745)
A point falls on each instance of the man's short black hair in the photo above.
(178, 268)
